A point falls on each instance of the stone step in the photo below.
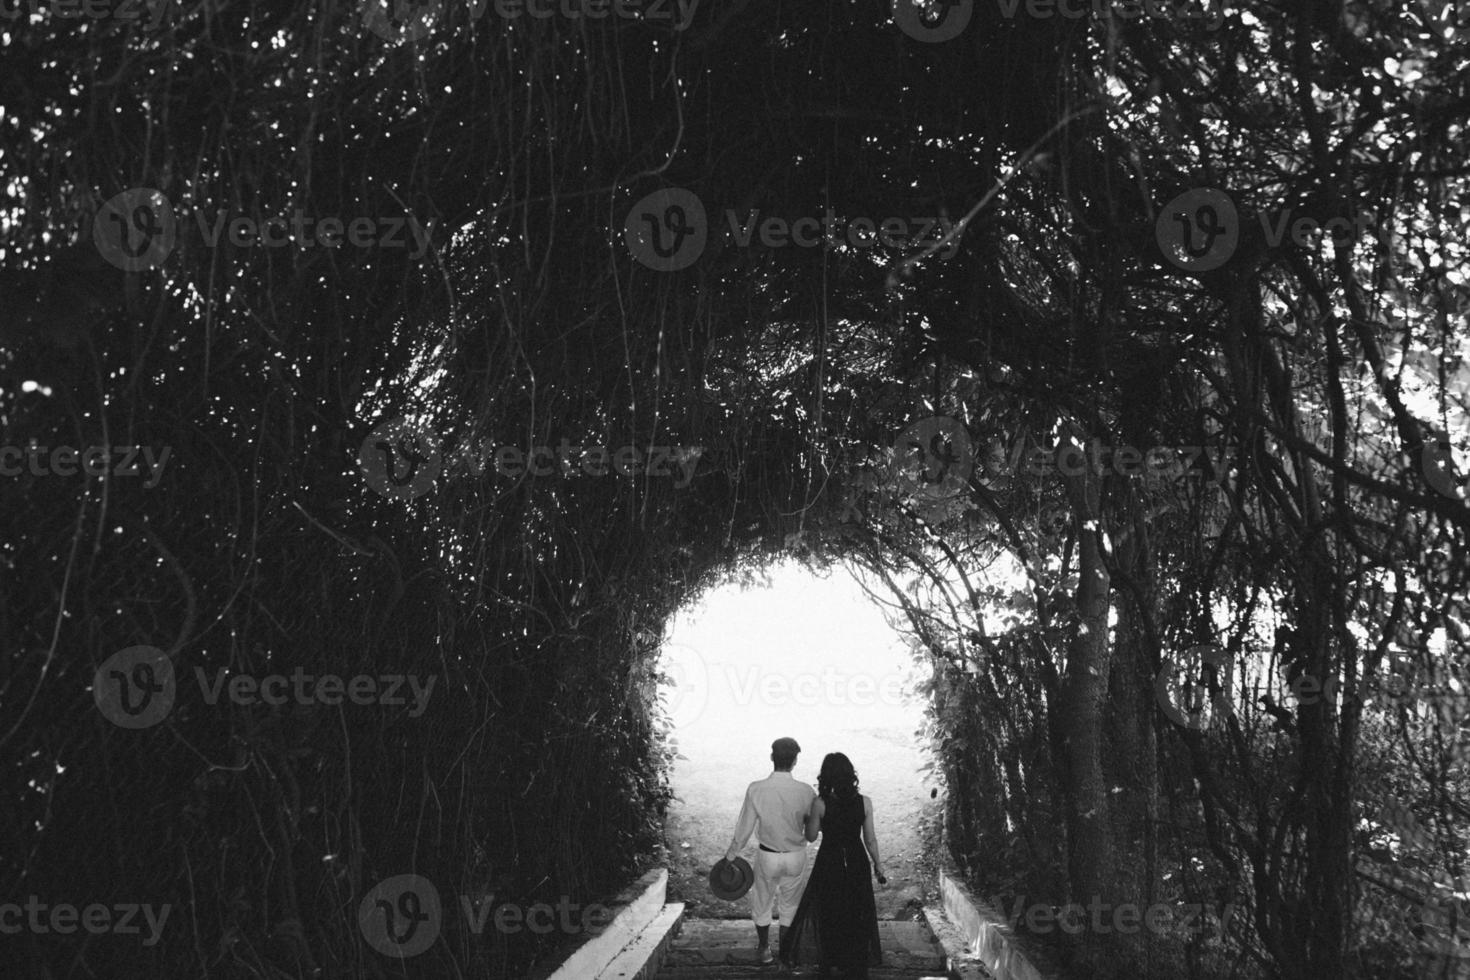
(739, 972)
(639, 959)
(714, 949)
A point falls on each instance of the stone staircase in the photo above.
(649, 938)
(724, 949)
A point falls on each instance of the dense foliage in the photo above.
(1329, 379)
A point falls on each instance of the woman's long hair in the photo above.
(838, 780)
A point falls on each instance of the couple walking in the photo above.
(835, 920)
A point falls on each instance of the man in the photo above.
(775, 811)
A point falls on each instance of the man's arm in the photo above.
(744, 827)
(814, 819)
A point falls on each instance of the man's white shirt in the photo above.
(774, 810)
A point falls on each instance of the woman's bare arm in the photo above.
(814, 819)
(870, 838)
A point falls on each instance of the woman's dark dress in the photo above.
(836, 923)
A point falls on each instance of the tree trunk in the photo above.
(1083, 701)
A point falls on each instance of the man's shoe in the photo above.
(763, 953)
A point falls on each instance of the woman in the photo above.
(836, 924)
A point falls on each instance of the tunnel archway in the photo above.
(803, 653)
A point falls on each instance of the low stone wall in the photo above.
(988, 939)
(632, 910)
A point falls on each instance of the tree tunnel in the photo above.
(378, 384)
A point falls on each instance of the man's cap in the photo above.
(785, 746)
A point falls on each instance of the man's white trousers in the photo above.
(779, 882)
